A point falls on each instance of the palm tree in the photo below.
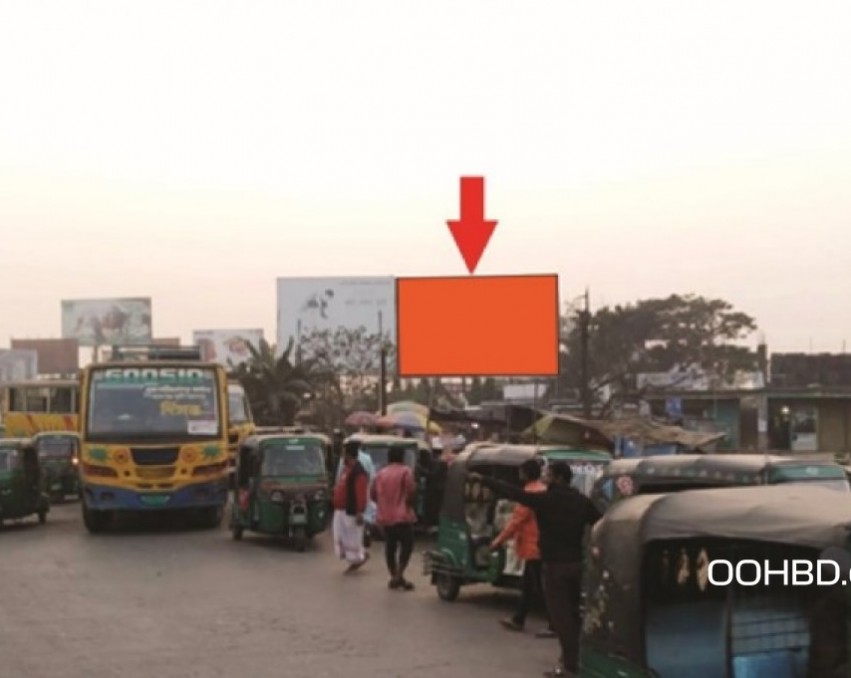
(276, 386)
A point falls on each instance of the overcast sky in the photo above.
(193, 152)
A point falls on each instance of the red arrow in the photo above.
(472, 231)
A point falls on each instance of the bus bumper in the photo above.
(108, 498)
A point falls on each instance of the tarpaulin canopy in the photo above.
(567, 429)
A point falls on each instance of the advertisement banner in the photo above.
(18, 365)
(55, 356)
(107, 322)
(227, 347)
(357, 310)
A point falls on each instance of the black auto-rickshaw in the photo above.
(675, 473)
(703, 583)
(59, 452)
(282, 486)
(21, 481)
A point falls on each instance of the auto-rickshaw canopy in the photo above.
(790, 514)
(477, 456)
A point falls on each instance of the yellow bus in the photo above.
(31, 407)
(154, 434)
(240, 420)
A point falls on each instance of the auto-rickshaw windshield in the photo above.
(303, 459)
(7, 459)
(56, 449)
(380, 455)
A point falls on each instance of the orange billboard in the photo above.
(477, 326)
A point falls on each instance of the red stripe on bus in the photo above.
(69, 422)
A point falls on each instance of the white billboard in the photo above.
(107, 322)
(358, 304)
(227, 347)
(18, 364)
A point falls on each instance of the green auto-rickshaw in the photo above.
(59, 452)
(714, 582)
(472, 515)
(676, 473)
(282, 487)
(21, 481)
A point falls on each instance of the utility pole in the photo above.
(382, 382)
(585, 321)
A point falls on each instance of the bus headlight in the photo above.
(190, 454)
(120, 455)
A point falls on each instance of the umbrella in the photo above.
(411, 421)
(361, 418)
(408, 406)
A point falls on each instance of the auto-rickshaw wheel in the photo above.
(448, 587)
(42, 517)
(300, 539)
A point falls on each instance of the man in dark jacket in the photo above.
(563, 514)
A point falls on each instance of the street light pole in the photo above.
(584, 339)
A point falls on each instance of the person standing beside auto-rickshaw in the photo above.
(563, 514)
(350, 503)
(393, 492)
(523, 529)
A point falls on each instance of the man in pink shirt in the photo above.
(393, 492)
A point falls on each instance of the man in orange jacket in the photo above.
(523, 528)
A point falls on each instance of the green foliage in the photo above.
(658, 335)
(276, 387)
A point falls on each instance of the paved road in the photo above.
(152, 601)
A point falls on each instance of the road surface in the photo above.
(153, 600)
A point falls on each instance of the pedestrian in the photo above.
(368, 465)
(562, 514)
(393, 492)
(523, 529)
(350, 502)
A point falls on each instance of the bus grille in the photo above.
(163, 456)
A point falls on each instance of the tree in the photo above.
(474, 395)
(350, 360)
(276, 388)
(677, 333)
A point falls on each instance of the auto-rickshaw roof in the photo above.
(794, 513)
(575, 452)
(477, 456)
(679, 464)
(257, 440)
(380, 439)
(55, 434)
(15, 443)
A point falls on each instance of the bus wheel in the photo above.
(96, 521)
(448, 587)
(212, 516)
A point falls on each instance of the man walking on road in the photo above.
(563, 514)
(350, 500)
(393, 492)
(523, 528)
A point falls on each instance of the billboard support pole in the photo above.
(382, 382)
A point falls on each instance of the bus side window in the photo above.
(37, 400)
(17, 400)
(61, 400)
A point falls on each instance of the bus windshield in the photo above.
(237, 405)
(153, 402)
(293, 459)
